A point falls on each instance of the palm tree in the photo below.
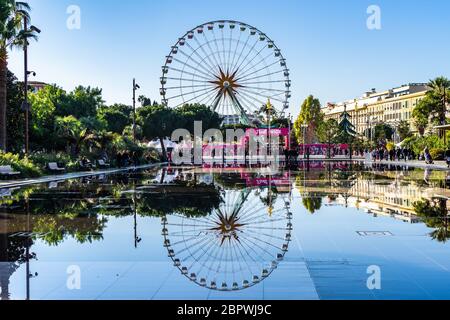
(12, 14)
(440, 91)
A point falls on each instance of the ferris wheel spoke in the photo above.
(262, 241)
(259, 94)
(229, 48)
(186, 240)
(187, 80)
(249, 61)
(194, 98)
(267, 235)
(267, 228)
(206, 100)
(185, 64)
(215, 41)
(261, 76)
(239, 108)
(212, 53)
(190, 93)
(207, 57)
(234, 67)
(191, 246)
(187, 225)
(189, 73)
(185, 87)
(263, 82)
(224, 51)
(244, 76)
(200, 64)
(246, 56)
(245, 95)
(204, 253)
(253, 245)
(195, 51)
(251, 67)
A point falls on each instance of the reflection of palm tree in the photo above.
(442, 233)
(312, 204)
(435, 215)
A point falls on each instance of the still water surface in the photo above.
(317, 233)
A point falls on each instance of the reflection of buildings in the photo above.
(381, 196)
(390, 107)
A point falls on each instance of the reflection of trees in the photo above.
(83, 228)
(190, 205)
(435, 215)
(230, 180)
(269, 196)
(13, 252)
(312, 204)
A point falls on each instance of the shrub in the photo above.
(63, 159)
(24, 165)
(437, 153)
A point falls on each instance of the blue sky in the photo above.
(329, 50)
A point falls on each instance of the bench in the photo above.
(103, 164)
(53, 166)
(7, 171)
(86, 166)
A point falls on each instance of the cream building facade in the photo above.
(390, 107)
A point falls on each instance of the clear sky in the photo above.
(329, 49)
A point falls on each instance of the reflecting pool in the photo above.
(326, 231)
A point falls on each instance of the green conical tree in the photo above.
(346, 127)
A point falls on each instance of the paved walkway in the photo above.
(66, 176)
(438, 165)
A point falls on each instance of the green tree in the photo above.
(144, 101)
(440, 95)
(383, 132)
(433, 108)
(117, 117)
(330, 130)
(421, 114)
(44, 104)
(12, 14)
(81, 102)
(189, 113)
(15, 117)
(158, 122)
(404, 130)
(72, 130)
(346, 128)
(312, 116)
(312, 204)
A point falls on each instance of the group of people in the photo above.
(127, 158)
(405, 154)
(396, 154)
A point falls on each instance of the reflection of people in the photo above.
(426, 176)
(447, 157)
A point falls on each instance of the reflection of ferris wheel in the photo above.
(239, 245)
(229, 66)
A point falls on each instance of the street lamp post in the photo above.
(269, 133)
(304, 128)
(26, 105)
(289, 133)
(135, 87)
